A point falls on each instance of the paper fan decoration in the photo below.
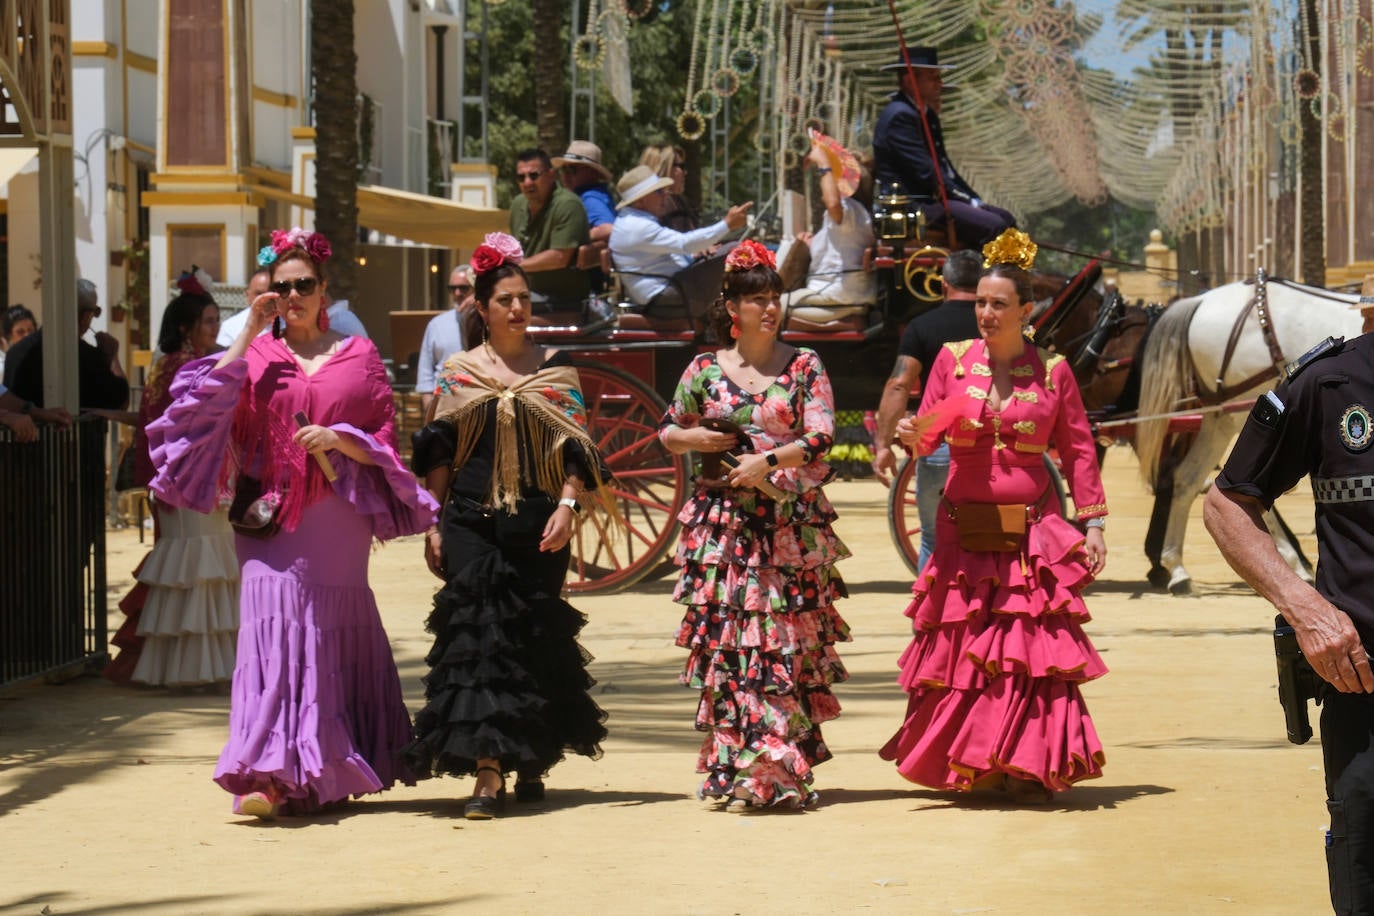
(843, 165)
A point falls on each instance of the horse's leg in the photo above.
(1178, 446)
(1286, 543)
(1190, 476)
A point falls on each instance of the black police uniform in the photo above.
(1320, 422)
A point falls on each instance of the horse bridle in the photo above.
(1260, 305)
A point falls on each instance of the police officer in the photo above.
(1317, 422)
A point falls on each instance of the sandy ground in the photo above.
(106, 803)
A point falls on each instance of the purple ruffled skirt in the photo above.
(317, 711)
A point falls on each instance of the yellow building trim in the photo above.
(94, 49)
(472, 168)
(269, 97)
(139, 147)
(136, 61)
(202, 199)
(161, 178)
(264, 175)
(302, 133)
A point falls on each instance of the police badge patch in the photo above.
(1355, 431)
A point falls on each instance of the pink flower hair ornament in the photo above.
(497, 248)
(315, 245)
(749, 254)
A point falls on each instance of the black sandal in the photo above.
(486, 807)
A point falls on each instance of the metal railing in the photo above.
(52, 592)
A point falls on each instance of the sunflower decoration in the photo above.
(589, 51)
(1011, 247)
(691, 125)
(1307, 84)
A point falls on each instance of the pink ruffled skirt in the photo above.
(994, 671)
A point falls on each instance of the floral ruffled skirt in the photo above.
(761, 629)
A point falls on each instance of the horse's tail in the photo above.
(1167, 374)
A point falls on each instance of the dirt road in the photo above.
(106, 803)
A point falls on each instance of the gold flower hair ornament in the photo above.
(1011, 247)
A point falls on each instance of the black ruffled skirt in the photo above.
(508, 679)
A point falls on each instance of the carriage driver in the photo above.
(1317, 422)
(901, 154)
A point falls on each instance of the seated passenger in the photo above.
(671, 162)
(837, 286)
(551, 225)
(902, 155)
(585, 176)
(657, 263)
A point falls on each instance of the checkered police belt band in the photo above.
(1342, 489)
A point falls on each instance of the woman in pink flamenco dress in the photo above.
(993, 673)
(316, 713)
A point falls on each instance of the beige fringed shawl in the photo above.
(545, 409)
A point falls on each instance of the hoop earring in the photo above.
(278, 328)
(486, 333)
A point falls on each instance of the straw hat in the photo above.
(638, 182)
(1366, 294)
(581, 152)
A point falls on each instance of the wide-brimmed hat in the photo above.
(928, 58)
(582, 152)
(638, 182)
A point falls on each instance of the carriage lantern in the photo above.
(892, 214)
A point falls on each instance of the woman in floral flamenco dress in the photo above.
(298, 426)
(182, 616)
(757, 548)
(993, 673)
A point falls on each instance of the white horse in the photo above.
(1216, 346)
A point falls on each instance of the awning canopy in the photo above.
(427, 220)
(13, 159)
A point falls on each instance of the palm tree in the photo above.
(333, 69)
(549, 64)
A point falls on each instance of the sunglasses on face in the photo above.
(460, 288)
(522, 177)
(303, 286)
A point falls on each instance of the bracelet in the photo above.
(571, 504)
(823, 170)
(28, 406)
(1098, 522)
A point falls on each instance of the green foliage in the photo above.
(1114, 228)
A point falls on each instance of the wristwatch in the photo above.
(571, 504)
(27, 407)
(771, 458)
(1099, 522)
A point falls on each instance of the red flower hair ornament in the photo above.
(283, 240)
(749, 254)
(496, 249)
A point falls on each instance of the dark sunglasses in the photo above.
(522, 177)
(460, 288)
(303, 286)
(680, 165)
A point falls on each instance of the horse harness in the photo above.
(1260, 305)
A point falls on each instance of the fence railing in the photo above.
(52, 538)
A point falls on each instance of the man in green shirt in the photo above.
(551, 223)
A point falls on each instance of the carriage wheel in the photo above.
(904, 521)
(650, 485)
(922, 273)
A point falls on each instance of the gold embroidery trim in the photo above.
(958, 348)
(968, 425)
(1030, 397)
(963, 443)
(980, 369)
(1094, 509)
(1024, 427)
(976, 392)
(1051, 360)
(1022, 371)
(997, 432)
(1029, 448)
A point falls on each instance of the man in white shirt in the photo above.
(444, 334)
(341, 318)
(837, 286)
(655, 262)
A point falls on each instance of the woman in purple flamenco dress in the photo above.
(316, 714)
(993, 673)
